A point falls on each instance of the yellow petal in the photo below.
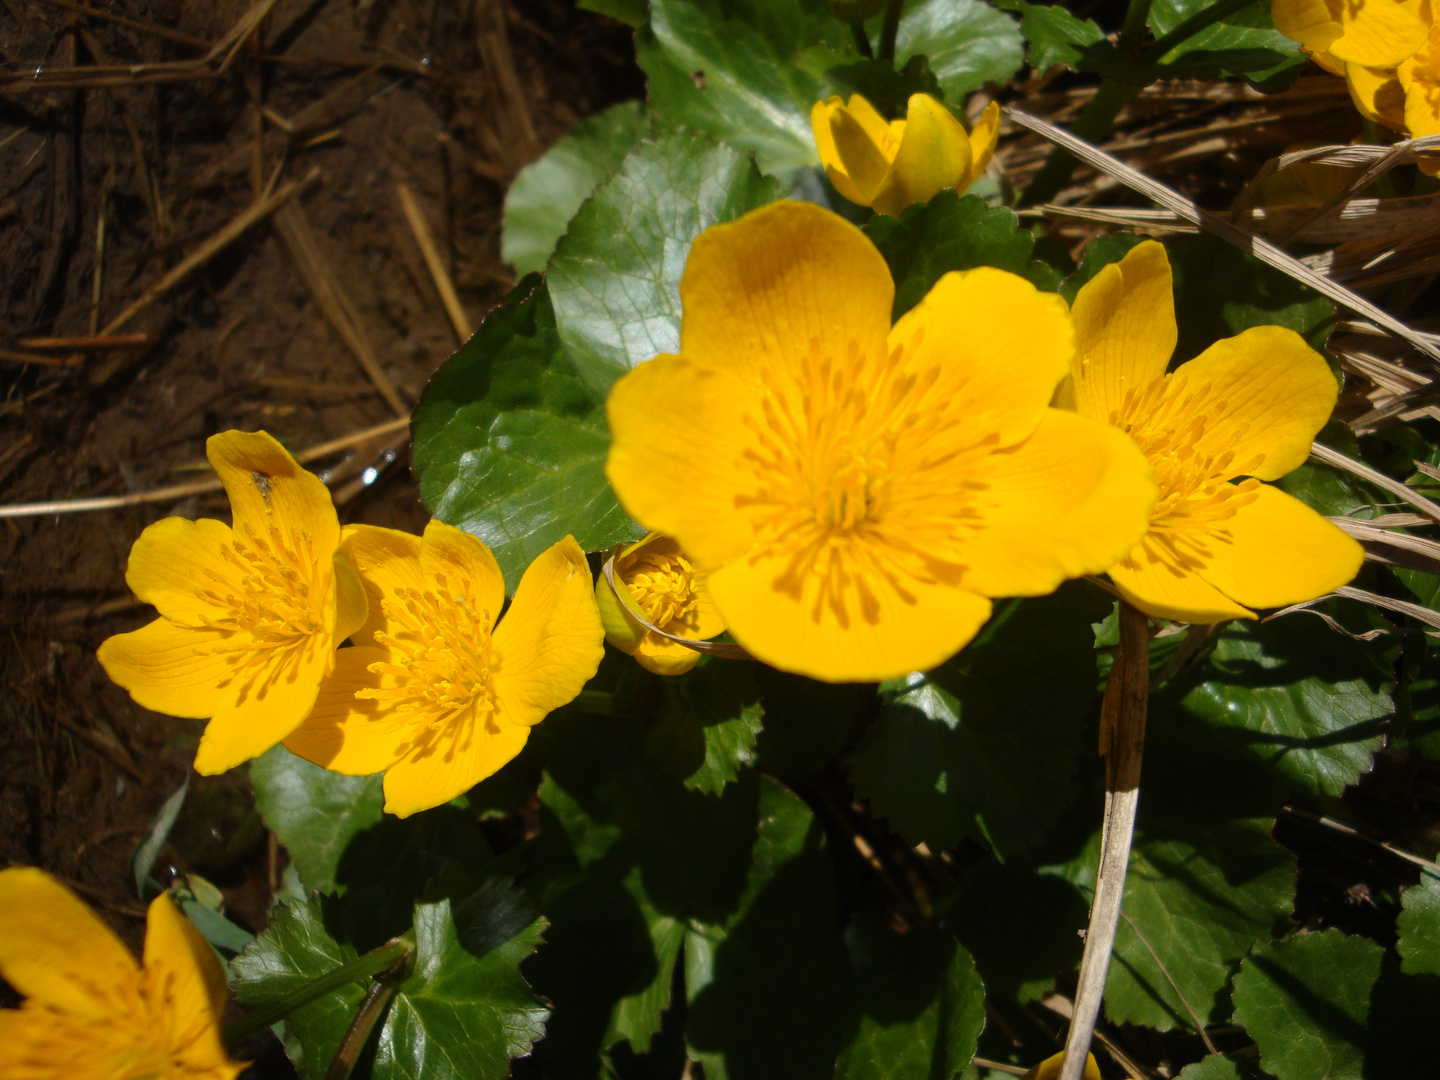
(1419, 77)
(1160, 582)
(664, 657)
(983, 137)
(621, 628)
(1379, 95)
(934, 154)
(384, 560)
(761, 295)
(350, 735)
(865, 114)
(1264, 395)
(1049, 1069)
(352, 606)
(173, 560)
(820, 114)
(170, 669)
(268, 489)
(865, 163)
(57, 953)
(1124, 330)
(1277, 551)
(880, 627)
(184, 979)
(1376, 33)
(264, 702)
(465, 564)
(450, 760)
(1309, 22)
(970, 333)
(1071, 500)
(550, 642)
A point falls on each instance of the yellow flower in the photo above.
(90, 1011)
(1248, 406)
(857, 491)
(1049, 1069)
(1371, 33)
(433, 692)
(249, 617)
(662, 585)
(888, 166)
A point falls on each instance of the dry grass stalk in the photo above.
(1379, 479)
(443, 285)
(332, 300)
(139, 25)
(195, 487)
(42, 361)
(94, 341)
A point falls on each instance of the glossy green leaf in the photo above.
(1308, 702)
(1244, 43)
(545, 194)
(967, 43)
(1056, 36)
(1197, 899)
(463, 1011)
(730, 69)
(1306, 1002)
(705, 733)
(631, 12)
(1419, 927)
(313, 812)
(918, 1001)
(510, 440)
(951, 232)
(615, 277)
(982, 746)
(1219, 1067)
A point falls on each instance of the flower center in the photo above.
(663, 585)
(1165, 420)
(440, 660)
(270, 600)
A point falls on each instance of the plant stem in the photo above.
(862, 41)
(377, 997)
(1092, 123)
(1133, 30)
(1202, 19)
(598, 702)
(1122, 742)
(372, 963)
(889, 29)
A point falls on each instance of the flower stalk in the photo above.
(1122, 743)
(890, 30)
(372, 1007)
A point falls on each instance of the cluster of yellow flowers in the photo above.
(1388, 51)
(433, 692)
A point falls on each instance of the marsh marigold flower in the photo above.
(249, 616)
(433, 692)
(1246, 409)
(856, 491)
(90, 1011)
(1049, 1069)
(661, 584)
(888, 165)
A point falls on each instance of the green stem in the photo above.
(372, 963)
(889, 30)
(599, 702)
(862, 41)
(1094, 122)
(366, 1016)
(1190, 27)
(1133, 30)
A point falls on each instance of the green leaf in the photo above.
(1056, 36)
(919, 1003)
(951, 232)
(1419, 927)
(631, 12)
(545, 194)
(510, 441)
(1293, 693)
(462, 1012)
(806, 723)
(1245, 43)
(705, 734)
(1218, 1067)
(952, 749)
(967, 43)
(148, 850)
(1196, 901)
(1220, 291)
(1021, 927)
(1306, 1001)
(730, 69)
(313, 812)
(615, 277)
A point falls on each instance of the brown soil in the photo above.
(450, 97)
